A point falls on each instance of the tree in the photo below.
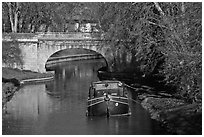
(32, 16)
(183, 46)
(126, 25)
(11, 54)
(156, 33)
(13, 14)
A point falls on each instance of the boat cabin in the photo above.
(101, 88)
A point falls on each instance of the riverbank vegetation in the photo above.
(177, 115)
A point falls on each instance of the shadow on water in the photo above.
(59, 107)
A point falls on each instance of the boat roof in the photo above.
(106, 81)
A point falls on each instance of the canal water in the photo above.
(58, 107)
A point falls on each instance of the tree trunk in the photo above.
(183, 8)
(159, 8)
(15, 23)
(16, 17)
(13, 16)
(46, 28)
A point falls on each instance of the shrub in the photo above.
(11, 54)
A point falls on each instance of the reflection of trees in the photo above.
(57, 87)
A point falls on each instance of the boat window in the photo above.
(103, 86)
(121, 92)
(91, 92)
(99, 93)
(114, 94)
(125, 94)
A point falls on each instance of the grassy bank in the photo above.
(9, 73)
(11, 77)
(178, 116)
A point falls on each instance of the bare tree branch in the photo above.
(159, 8)
(171, 28)
(16, 12)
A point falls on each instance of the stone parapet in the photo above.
(35, 37)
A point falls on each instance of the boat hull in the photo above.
(112, 107)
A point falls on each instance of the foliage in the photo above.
(127, 25)
(34, 16)
(165, 37)
(183, 64)
(45, 16)
(11, 53)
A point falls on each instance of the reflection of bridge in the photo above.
(76, 57)
(36, 49)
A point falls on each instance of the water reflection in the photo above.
(59, 107)
(70, 77)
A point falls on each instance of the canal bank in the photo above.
(178, 116)
(12, 79)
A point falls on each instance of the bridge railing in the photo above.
(52, 36)
(19, 35)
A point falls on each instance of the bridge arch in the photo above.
(47, 49)
(74, 54)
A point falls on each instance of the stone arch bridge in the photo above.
(36, 49)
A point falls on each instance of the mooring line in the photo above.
(130, 86)
(135, 101)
